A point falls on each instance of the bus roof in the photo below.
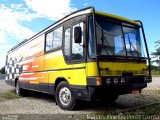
(71, 15)
(117, 17)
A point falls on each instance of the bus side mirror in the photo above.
(77, 35)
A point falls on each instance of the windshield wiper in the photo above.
(131, 44)
(105, 41)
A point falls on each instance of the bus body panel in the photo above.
(92, 69)
(116, 68)
(58, 68)
(25, 59)
(37, 64)
(55, 61)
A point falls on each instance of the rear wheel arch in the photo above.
(19, 91)
(16, 80)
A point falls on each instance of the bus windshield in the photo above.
(116, 38)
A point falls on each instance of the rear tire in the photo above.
(65, 98)
(19, 91)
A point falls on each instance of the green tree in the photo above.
(2, 70)
(156, 54)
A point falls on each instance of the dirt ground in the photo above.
(42, 104)
(155, 85)
(4, 87)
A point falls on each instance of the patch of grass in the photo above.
(144, 113)
(8, 95)
(155, 72)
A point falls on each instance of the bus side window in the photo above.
(57, 38)
(67, 44)
(49, 41)
(77, 48)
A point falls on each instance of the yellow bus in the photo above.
(86, 55)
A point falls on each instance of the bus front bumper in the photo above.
(94, 89)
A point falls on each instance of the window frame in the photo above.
(63, 44)
(46, 41)
(72, 38)
(69, 24)
(52, 30)
(59, 47)
(90, 58)
(116, 22)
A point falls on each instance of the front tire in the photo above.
(65, 98)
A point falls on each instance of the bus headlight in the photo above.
(123, 80)
(116, 81)
(108, 81)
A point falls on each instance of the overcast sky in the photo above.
(21, 19)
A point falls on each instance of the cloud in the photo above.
(2, 37)
(52, 9)
(14, 19)
(10, 26)
(86, 4)
(11, 30)
(3, 49)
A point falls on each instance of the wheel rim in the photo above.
(65, 96)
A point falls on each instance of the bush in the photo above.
(2, 70)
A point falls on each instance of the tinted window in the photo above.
(116, 38)
(57, 38)
(132, 39)
(49, 41)
(77, 48)
(67, 44)
(110, 38)
(91, 45)
(54, 39)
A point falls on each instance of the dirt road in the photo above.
(154, 85)
(4, 87)
(36, 103)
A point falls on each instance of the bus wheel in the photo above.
(19, 91)
(65, 98)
